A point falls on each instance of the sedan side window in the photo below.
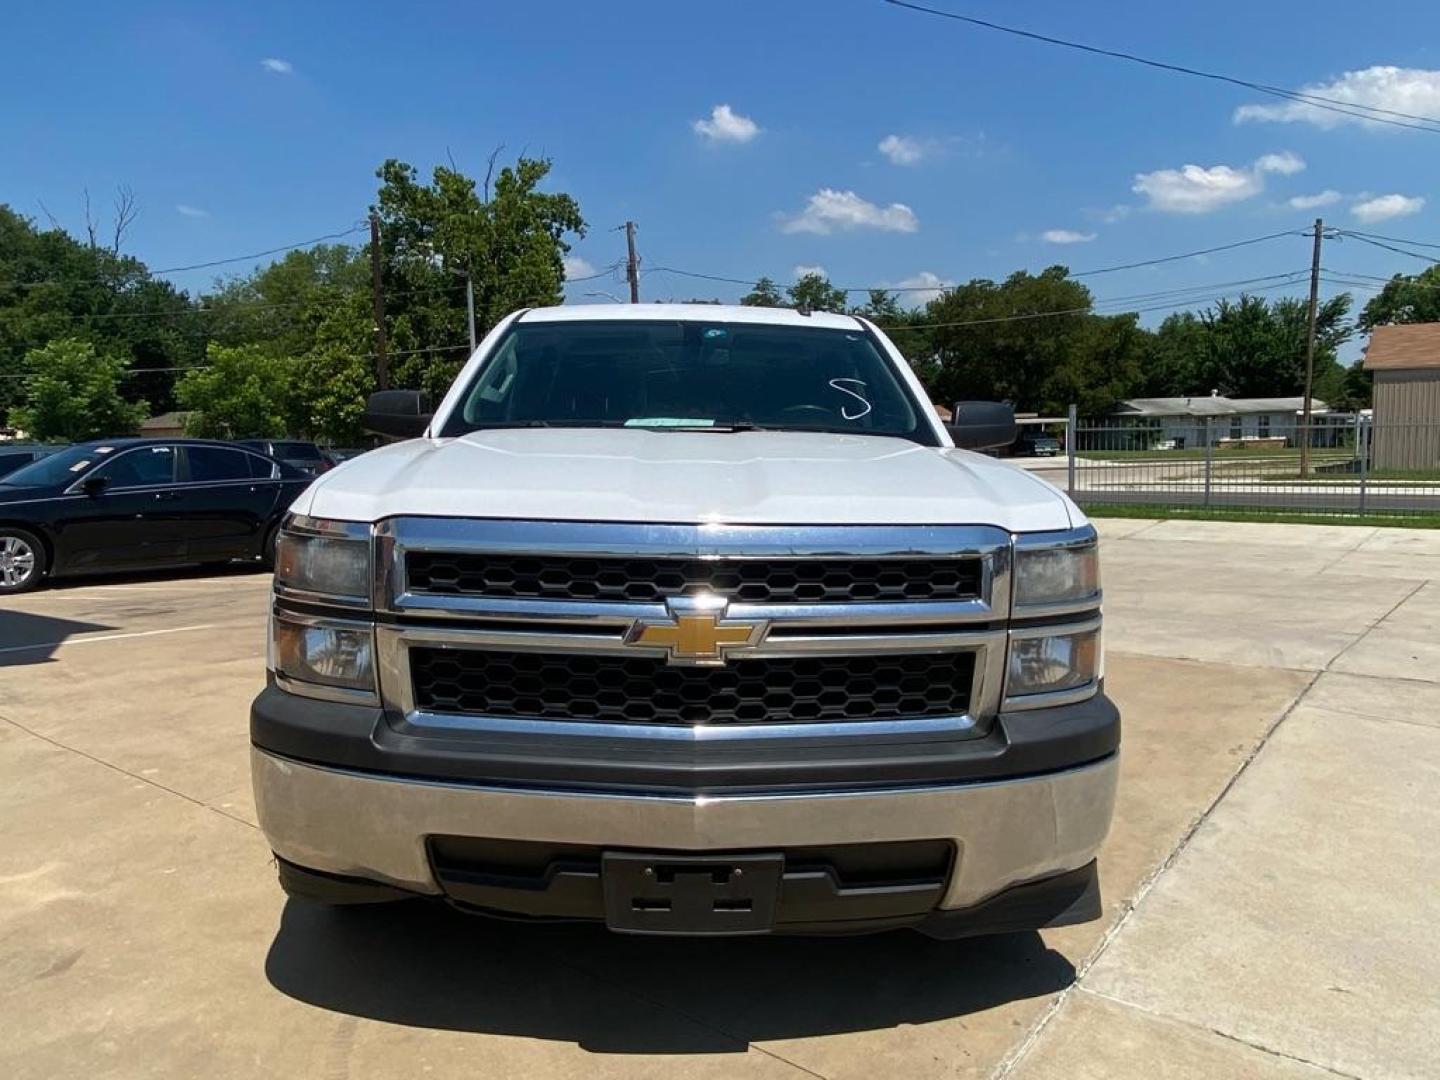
(263, 468)
(148, 466)
(211, 464)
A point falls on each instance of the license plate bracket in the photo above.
(690, 894)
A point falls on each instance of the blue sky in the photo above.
(247, 126)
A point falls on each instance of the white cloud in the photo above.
(828, 210)
(1384, 207)
(1066, 236)
(278, 66)
(1284, 163)
(1408, 90)
(1194, 189)
(801, 270)
(726, 125)
(191, 211)
(1112, 215)
(904, 149)
(576, 267)
(926, 286)
(1328, 197)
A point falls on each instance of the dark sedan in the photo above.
(131, 504)
(304, 456)
(17, 455)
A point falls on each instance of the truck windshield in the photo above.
(688, 375)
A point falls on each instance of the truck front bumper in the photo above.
(362, 830)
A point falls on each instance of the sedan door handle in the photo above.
(166, 496)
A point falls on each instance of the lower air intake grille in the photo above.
(642, 690)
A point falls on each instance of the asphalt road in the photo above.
(1269, 880)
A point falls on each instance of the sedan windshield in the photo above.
(688, 375)
(59, 467)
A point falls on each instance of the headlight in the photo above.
(331, 558)
(1052, 661)
(322, 653)
(1056, 575)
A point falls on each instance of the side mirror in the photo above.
(982, 425)
(94, 485)
(403, 414)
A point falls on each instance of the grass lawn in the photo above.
(1405, 474)
(1419, 520)
(1197, 453)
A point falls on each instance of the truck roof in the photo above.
(710, 313)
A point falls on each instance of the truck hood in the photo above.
(752, 477)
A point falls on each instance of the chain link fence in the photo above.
(1337, 466)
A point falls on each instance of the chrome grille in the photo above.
(610, 688)
(647, 580)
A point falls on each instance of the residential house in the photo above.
(1179, 422)
(1405, 361)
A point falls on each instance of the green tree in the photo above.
(1406, 298)
(73, 394)
(333, 379)
(53, 287)
(242, 392)
(813, 292)
(282, 306)
(882, 307)
(765, 293)
(509, 238)
(1006, 341)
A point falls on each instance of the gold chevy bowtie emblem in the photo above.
(700, 637)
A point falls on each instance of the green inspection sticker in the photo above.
(668, 421)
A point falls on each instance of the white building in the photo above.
(1191, 421)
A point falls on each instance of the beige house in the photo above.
(1405, 361)
(168, 425)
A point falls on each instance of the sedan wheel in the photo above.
(21, 562)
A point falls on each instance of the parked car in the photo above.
(14, 455)
(1037, 446)
(129, 504)
(735, 641)
(338, 454)
(305, 456)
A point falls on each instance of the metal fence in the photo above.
(1354, 465)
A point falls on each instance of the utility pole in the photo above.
(1305, 433)
(632, 265)
(470, 307)
(377, 290)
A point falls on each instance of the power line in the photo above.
(1373, 114)
(1393, 239)
(1343, 277)
(134, 372)
(1189, 254)
(1205, 293)
(221, 309)
(1390, 247)
(598, 274)
(933, 288)
(148, 273)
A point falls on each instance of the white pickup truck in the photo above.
(689, 619)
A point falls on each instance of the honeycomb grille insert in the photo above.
(642, 690)
(638, 580)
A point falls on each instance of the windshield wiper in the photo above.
(502, 424)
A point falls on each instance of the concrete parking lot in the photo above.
(1270, 881)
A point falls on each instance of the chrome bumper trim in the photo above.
(929, 725)
(363, 825)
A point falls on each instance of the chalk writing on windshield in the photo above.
(844, 386)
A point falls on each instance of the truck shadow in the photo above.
(426, 965)
(28, 638)
(161, 576)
